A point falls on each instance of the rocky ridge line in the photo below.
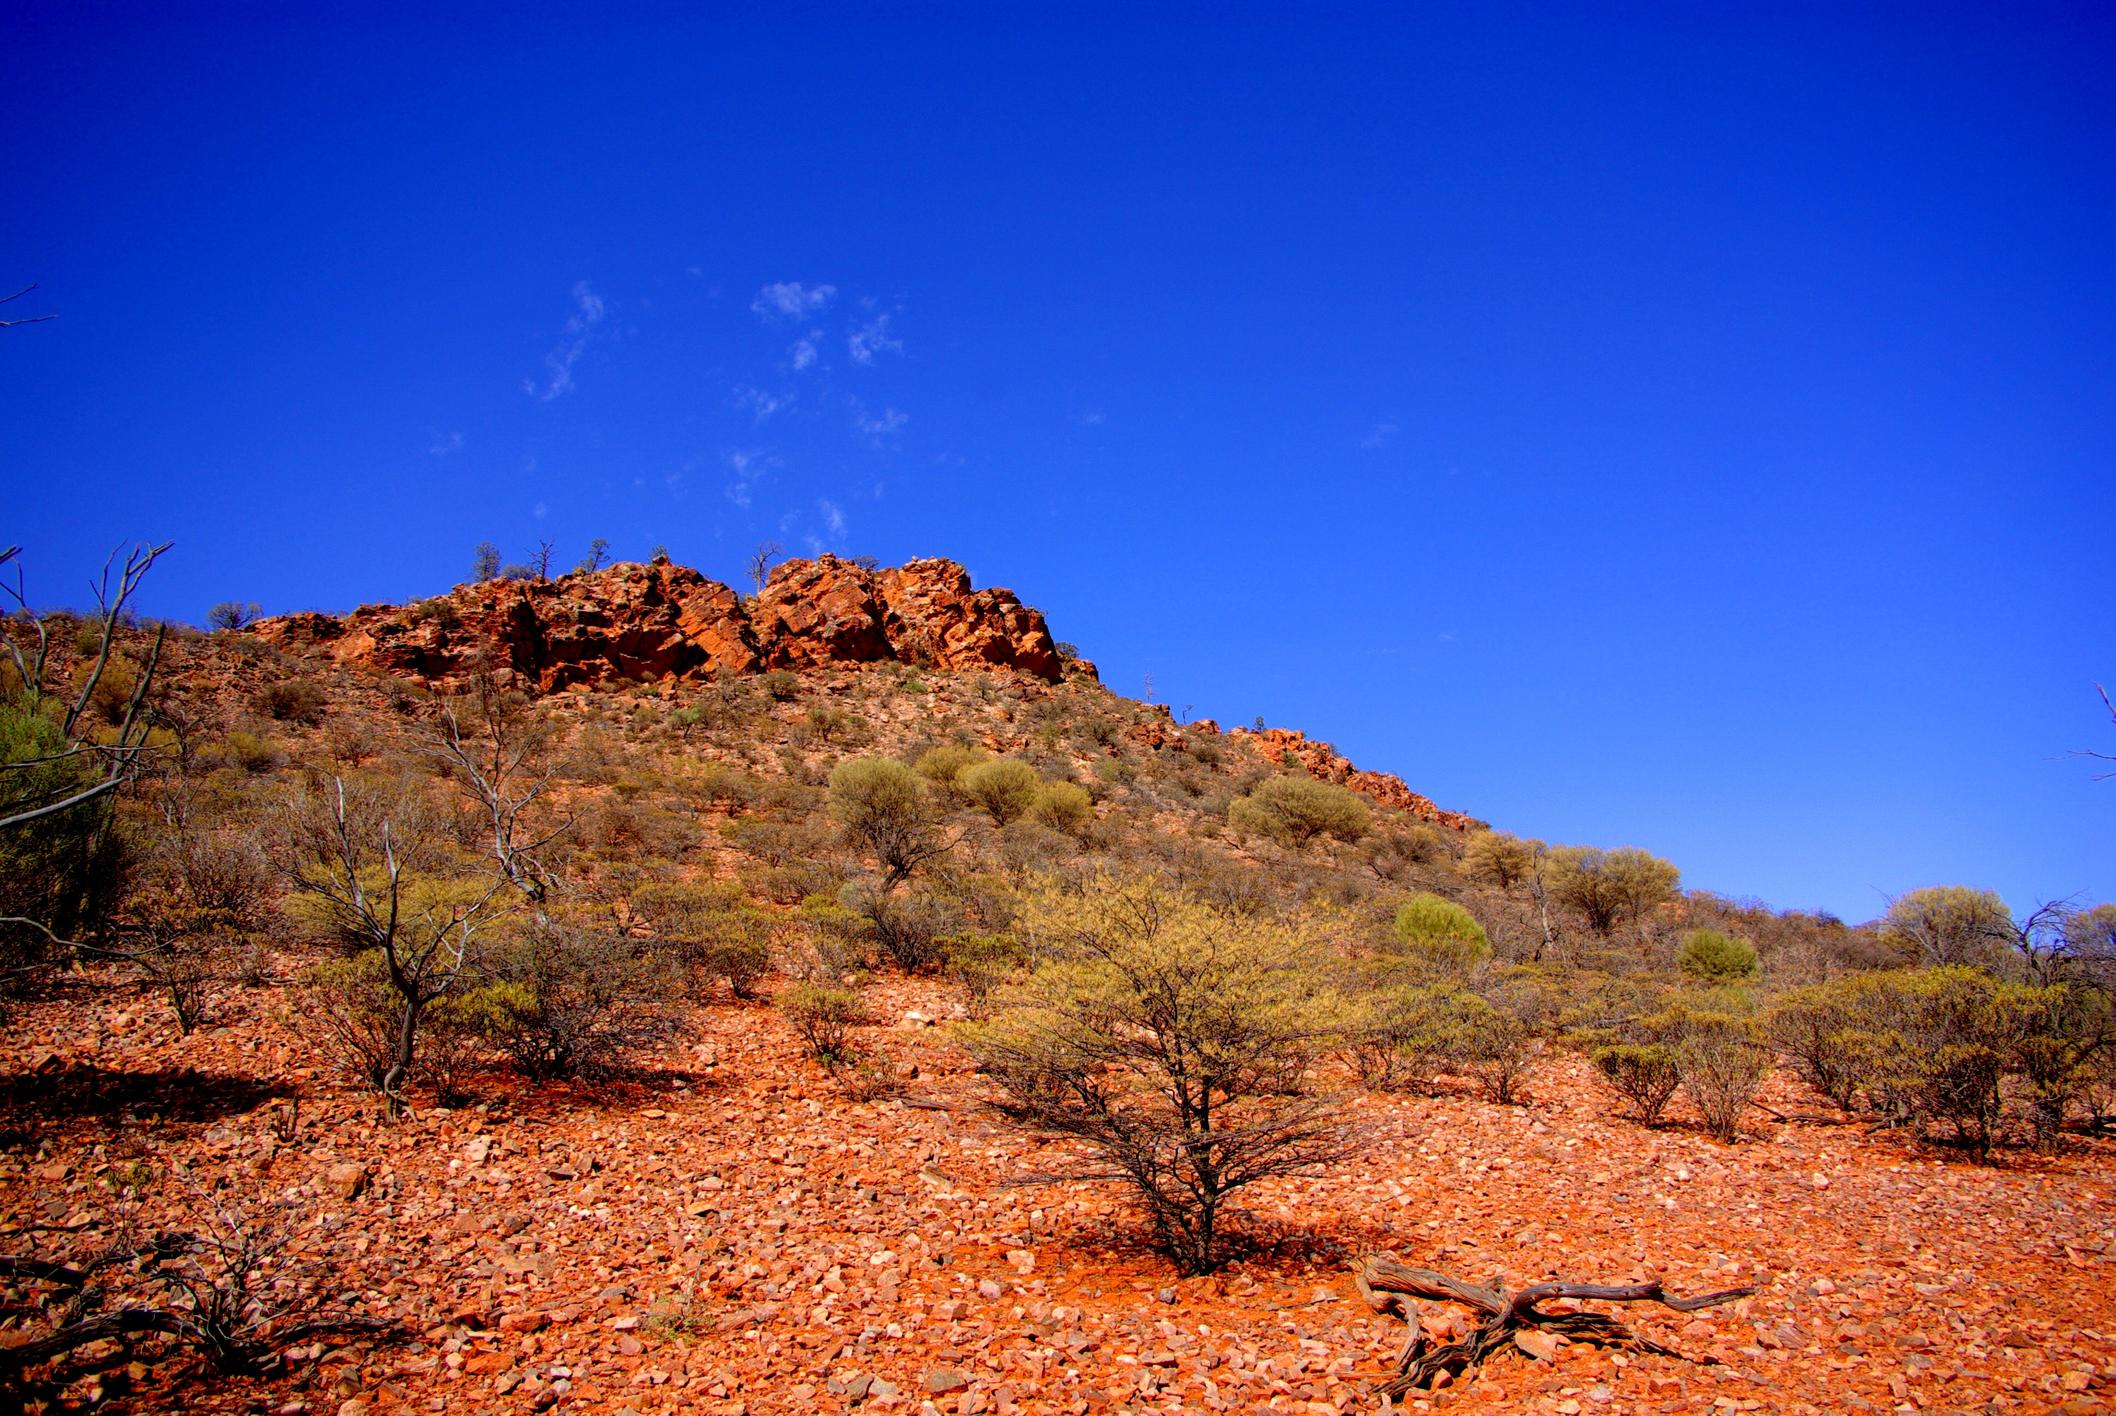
(661, 622)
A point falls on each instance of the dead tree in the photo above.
(22, 319)
(1509, 1320)
(492, 762)
(230, 1288)
(117, 757)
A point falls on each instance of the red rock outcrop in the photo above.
(648, 623)
(1289, 747)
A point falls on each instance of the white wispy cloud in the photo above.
(445, 443)
(540, 510)
(805, 350)
(791, 300)
(1379, 435)
(589, 310)
(747, 467)
(814, 544)
(833, 516)
(872, 338)
(879, 427)
(761, 404)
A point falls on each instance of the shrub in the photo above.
(1064, 806)
(1172, 1039)
(1396, 1035)
(292, 701)
(1494, 1046)
(60, 870)
(567, 1002)
(349, 1009)
(1818, 1028)
(711, 931)
(1645, 1074)
(823, 1015)
(1295, 810)
(780, 685)
(253, 754)
(1439, 937)
(1712, 957)
(944, 765)
(1004, 789)
(1722, 1064)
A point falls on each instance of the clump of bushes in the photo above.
(712, 933)
(1711, 957)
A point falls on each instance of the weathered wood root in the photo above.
(1390, 1288)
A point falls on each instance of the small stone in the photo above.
(1539, 1345)
(1023, 1261)
(347, 1180)
(525, 1322)
(989, 1290)
(945, 1380)
(355, 1407)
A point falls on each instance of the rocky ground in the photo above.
(734, 1232)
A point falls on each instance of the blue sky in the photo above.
(1686, 426)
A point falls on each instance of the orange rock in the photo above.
(633, 623)
(1290, 747)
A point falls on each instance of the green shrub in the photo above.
(1645, 1074)
(1712, 957)
(1722, 1064)
(567, 1002)
(1819, 1028)
(823, 1015)
(1494, 1046)
(1609, 886)
(944, 765)
(1296, 810)
(780, 685)
(1499, 858)
(1064, 806)
(1005, 789)
(1440, 938)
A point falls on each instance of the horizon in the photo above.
(1685, 429)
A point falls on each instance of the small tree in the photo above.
(485, 562)
(598, 551)
(1949, 924)
(1498, 858)
(761, 561)
(1715, 958)
(883, 808)
(1296, 810)
(1172, 1039)
(541, 561)
(1005, 788)
(232, 615)
(1609, 886)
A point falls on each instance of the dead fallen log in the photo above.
(1508, 1320)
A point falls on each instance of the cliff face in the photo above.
(634, 623)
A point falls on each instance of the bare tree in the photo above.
(26, 319)
(118, 757)
(761, 561)
(598, 551)
(2107, 703)
(544, 551)
(492, 762)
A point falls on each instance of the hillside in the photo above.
(640, 1164)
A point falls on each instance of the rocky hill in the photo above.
(633, 623)
(661, 623)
